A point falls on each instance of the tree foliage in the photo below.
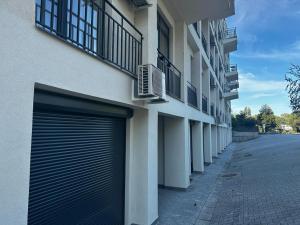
(244, 121)
(292, 120)
(247, 111)
(266, 118)
(293, 87)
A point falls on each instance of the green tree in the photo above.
(293, 87)
(292, 120)
(244, 121)
(247, 111)
(266, 118)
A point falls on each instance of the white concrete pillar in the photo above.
(181, 54)
(15, 145)
(196, 75)
(146, 22)
(141, 172)
(222, 138)
(219, 139)
(214, 141)
(227, 136)
(177, 152)
(198, 161)
(207, 143)
(225, 141)
(161, 151)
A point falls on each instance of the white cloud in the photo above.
(250, 84)
(263, 95)
(255, 92)
(261, 12)
(289, 54)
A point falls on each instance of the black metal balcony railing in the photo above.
(212, 82)
(192, 95)
(196, 28)
(204, 104)
(211, 60)
(204, 43)
(212, 110)
(98, 29)
(219, 35)
(230, 33)
(231, 68)
(173, 76)
(212, 41)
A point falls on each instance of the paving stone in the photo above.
(263, 187)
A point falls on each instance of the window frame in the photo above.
(161, 22)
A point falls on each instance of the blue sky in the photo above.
(269, 41)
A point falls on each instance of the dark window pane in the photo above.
(163, 36)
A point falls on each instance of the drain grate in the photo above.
(230, 175)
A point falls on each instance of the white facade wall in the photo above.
(31, 58)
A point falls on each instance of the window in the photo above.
(163, 36)
(46, 13)
(83, 22)
(94, 26)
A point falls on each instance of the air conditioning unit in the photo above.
(141, 3)
(151, 84)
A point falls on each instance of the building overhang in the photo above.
(232, 76)
(191, 11)
(233, 85)
(228, 96)
(230, 44)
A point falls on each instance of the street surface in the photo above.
(251, 183)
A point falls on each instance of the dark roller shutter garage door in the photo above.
(77, 162)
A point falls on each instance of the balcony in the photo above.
(213, 84)
(233, 85)
(173, 76)
(217, 117)
(195, 10)
(192, 95)
(204, 44)
(230, 40)
(195, 25)
(204, 104)
(212, 110)
(97, 29)
(211, 60)
(212, 41)
(228, 96)
(232, 73)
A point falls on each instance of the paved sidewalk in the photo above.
(256, 183)
(185, 207)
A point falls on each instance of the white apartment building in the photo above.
(80, 144)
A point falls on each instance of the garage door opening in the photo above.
(77, 173)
